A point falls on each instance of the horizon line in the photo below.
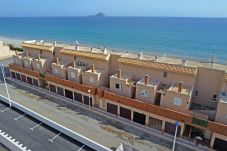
(93, 16)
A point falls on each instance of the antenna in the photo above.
(212, 60)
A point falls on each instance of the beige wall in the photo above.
(38, 65)
(167, 101)
(221, 113)
(47, 54)
(77, 73)
(99, 64)
(18, 60)
(32, 52)
(61, 71)
(95, 79)
(113, 64)
(208, 82)
(126, 90)
(27, 62)
(139, 72)
(151, 93)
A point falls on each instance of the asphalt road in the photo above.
(19, 126)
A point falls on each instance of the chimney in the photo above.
(141, 55)
(146, 79)
(180, 86)
(55, 43)
(57, 61)
(156, 58)
(92, 68)
(119, 74)
(104, 50)
(183, 62)
(38, 57)
(74, 64)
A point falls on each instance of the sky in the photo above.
(166, 8)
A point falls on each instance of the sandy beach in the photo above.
(7, 40)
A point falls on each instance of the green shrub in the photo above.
(11, 46)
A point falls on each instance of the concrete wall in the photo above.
(95, 79)
(167, 101)
(208, 82)
(27, 62)
(32, 52)
(77, 73)
(151, 93)
(221, 113)
(18, 60)
(138, 73)
(126, 89)
(61, 71)
(113, 64)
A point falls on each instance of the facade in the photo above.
(151, 91)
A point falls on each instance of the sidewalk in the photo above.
(98, 128)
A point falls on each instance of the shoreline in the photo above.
(17, 43)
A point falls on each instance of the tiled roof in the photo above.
(35, 46)
(159, 66)
(99, 56)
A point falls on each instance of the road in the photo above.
(35, 135)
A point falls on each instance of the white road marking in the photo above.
(32, 128)
(5, 109)
(19, 117)
(54, 137)
(81, 148)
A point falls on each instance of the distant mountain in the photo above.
(98, 15)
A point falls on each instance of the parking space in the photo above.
(34, 134)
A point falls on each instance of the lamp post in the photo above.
(89, 95)
(3, 75)
(175, 137)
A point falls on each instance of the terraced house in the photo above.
(149, 90)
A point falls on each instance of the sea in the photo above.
(195, 38)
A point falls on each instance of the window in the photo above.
(214, 97)
(144, 93)
(177, 101)
(56, 70)
(196, 93)
(118, 86)
(73, 75)
(165, 74)
(226, 116)
(92, 80)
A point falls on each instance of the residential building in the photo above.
(149, 90)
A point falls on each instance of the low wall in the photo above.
(57, 126)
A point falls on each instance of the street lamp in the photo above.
(3, 75)
(89, 94)
(175, 137)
